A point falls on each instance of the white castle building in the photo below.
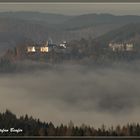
(121, 46)
(46, 47)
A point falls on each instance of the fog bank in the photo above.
(83, 94)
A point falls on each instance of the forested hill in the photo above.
(90, 50)
(86, 20)
(127, 33)
(37, 16)
(42, 26)
(84, 50)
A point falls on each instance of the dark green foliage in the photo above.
(34, 127)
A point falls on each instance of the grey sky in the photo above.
(75, 8)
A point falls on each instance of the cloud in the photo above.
(84, 94)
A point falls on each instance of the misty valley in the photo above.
(66, 75)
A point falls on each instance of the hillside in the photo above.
(89, 20)
(18, 27)
(52, 25)
(37, 16)
(88, 51)
(126, 33)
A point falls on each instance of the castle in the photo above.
(121, 47)
(45, 48)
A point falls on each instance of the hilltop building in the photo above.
(31, 49)
(129, 47)
(43, 48)
(63, 45)
(121, 47)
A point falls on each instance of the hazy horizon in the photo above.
(65, 14)
(73, 8)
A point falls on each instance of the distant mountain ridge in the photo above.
(41, 26)
(98, 19)
(36, 16)
(75, 21)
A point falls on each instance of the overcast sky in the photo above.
(75, 8)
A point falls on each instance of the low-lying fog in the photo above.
(83, 94)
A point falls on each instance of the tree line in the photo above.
(34, 127)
